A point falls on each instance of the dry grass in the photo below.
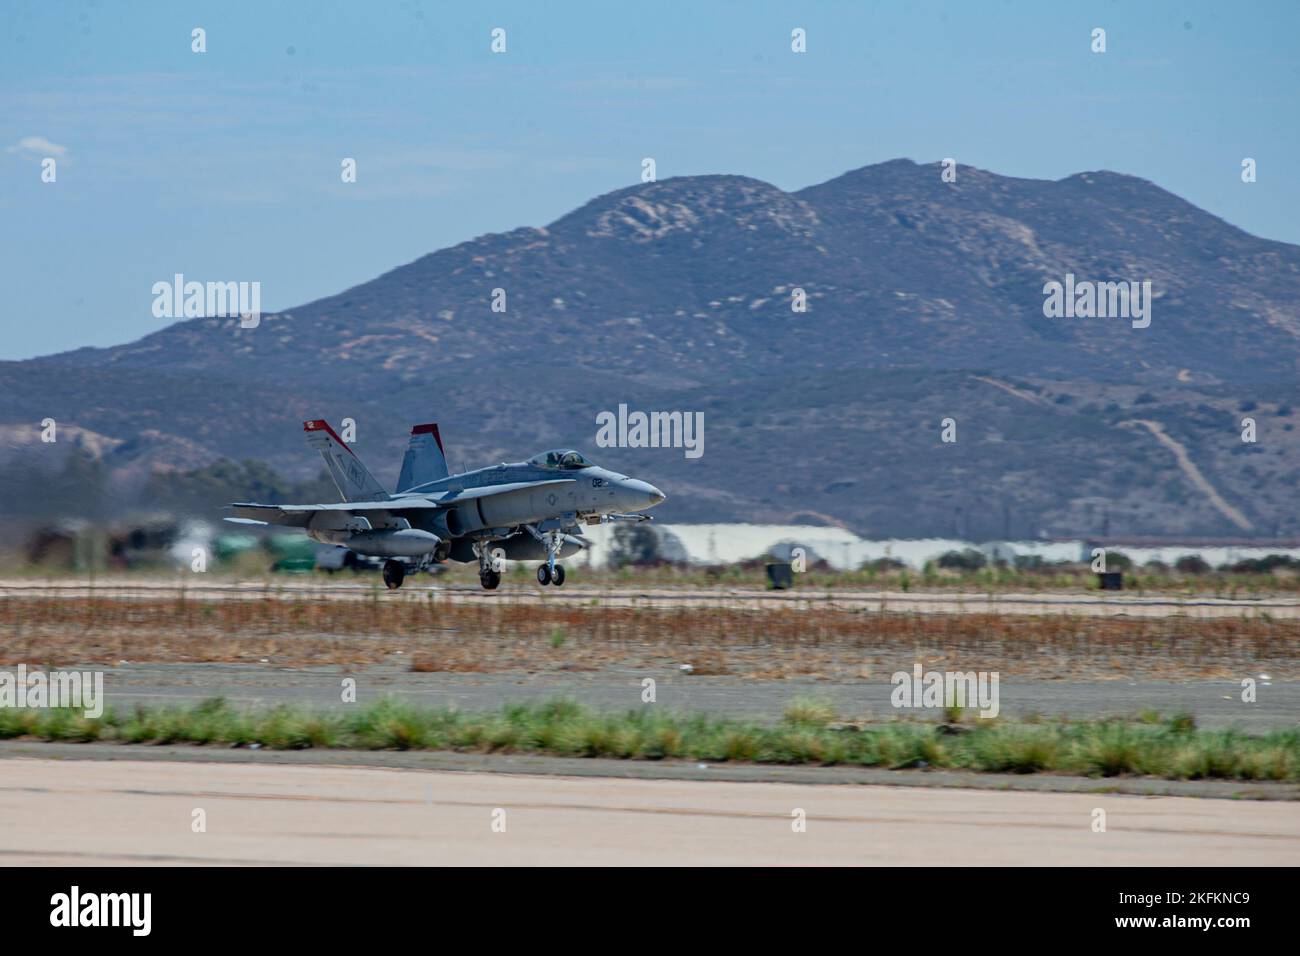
(1073, 578)
(492, 636)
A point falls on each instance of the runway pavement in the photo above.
(199, 587)
(144, 812)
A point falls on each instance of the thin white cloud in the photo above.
(37, 147)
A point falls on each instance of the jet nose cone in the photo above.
(648, 493)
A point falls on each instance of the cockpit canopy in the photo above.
(560, 459)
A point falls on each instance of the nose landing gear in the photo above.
(551, 572)
(550, 575)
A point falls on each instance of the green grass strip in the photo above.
(1170, 748)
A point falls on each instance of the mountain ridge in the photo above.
(681, 291)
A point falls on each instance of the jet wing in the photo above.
(444, 498)
(299, 516)
(246, 512)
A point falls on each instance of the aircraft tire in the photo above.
(394, 574)
(557, 576)
(543, 575)
(490, 580)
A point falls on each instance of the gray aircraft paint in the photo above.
(548, 497)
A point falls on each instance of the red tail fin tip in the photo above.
(429, 429)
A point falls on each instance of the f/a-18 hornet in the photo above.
(526, 510)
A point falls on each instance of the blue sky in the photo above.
(225, 165)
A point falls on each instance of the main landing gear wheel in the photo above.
(489, 572)
(394, 574)
(548, 575)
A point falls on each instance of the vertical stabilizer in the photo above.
(424, 460)
(351, 478)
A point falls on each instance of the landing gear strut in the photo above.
(551, 572)
(394, 574)
(488, 576)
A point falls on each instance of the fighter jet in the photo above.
(525, 510)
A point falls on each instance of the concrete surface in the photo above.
(138, 812)
(689, 770)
